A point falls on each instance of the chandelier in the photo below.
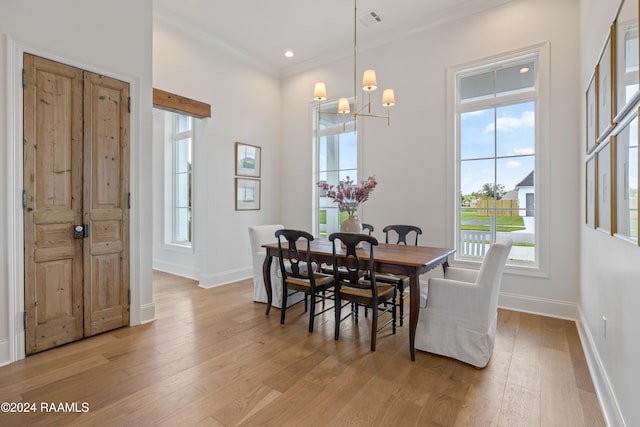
(369, 84)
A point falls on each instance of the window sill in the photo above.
(178, 247)
(521, 269)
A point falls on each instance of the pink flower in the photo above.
(347, 195)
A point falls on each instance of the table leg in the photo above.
(266, 278)
(414, 304)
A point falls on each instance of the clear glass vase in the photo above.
(351, 225)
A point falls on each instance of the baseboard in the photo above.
(608, 401)
(225, 278)
(5, 354)
(174, 268)
(542, 306)
(147, 313)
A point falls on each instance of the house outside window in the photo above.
(336, 159)
(496, 144)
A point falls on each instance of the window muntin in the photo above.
(496, 145)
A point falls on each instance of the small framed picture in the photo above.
(605, 92)
(592, 112)
(603, 187)
(248, 160)
(247, 194)
(625, 46)
(590, 204)
(625, 177)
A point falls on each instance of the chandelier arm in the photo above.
(374, 115)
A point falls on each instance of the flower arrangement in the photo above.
(347, 195)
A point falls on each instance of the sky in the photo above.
(507, 133)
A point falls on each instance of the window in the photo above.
(496, 141)
(179, 137)
(336, 150)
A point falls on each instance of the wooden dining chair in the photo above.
(358, 285)
(401, 234)
(367, 228)
(298, 273)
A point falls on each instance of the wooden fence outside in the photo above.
(485, 207)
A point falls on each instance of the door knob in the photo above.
(80, 231)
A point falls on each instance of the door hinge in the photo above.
(26, 319)
(24, 199)
(129, 104)
(129, 201)
(24, 78)
(129, 296)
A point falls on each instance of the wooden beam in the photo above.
(180, 104)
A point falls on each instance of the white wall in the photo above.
(245, 103)
(610, 267)
(412, 158)
(113, 38)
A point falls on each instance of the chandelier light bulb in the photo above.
(320, 91)
(343, 106)
(388, 98)
(369, 82)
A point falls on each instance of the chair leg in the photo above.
(394, 317)
(283, 310)
(337, 310)
(312, 310)
(374, 325)
(401, 309)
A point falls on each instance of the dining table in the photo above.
(410, 261)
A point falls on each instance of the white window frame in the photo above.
(541, 265)
(350, 125)
(169, 217)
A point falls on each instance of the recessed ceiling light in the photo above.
(524, 70)
(288, 54)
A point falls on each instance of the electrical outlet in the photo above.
(604, 326)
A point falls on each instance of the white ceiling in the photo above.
(262, 30)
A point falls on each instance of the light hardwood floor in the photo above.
(212, 358)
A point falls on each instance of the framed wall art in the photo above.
(605, 83)
(625, 45)
(626, 181)
(248, 158)
(592, 112)
(247, 194)
(603, 187)
(590, 196)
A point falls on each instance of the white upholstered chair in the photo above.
(458, 313)
(258, 236)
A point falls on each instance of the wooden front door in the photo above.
(76, 152)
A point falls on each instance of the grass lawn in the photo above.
(481, 223)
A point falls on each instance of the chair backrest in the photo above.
(354, 267)
(402, 231)
(258, 236)
(368, 228)
(490, 274)
(298, 263)
(262, 234)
